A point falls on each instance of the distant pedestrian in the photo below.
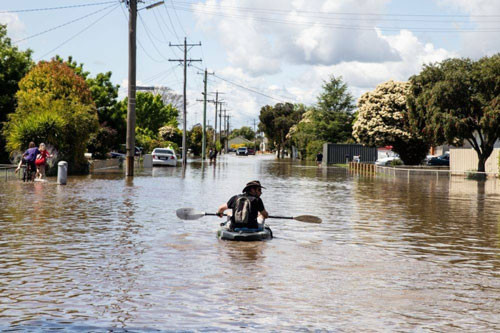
(210, 155)
(319, 158)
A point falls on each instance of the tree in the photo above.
(383, 121)
(104, 94)
(151, 112)
(276, 122)
(334, 112)
(168, 96)
(328, 121)
(171, 133)
(14, 65)
(195, 137)
(54, 106)
(244, 131)
(99, 142)
(458, 100)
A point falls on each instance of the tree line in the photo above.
(454, 102)
(59, 103)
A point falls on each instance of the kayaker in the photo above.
(246, 207)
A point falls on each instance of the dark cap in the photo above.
(253, 183)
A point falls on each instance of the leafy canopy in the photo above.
(14, 65)
(54, 106)
(244, 131)
(276, 122)
(151, 112)
(329, 121)
(383, 121)
(458, 100)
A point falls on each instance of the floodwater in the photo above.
(106, 253)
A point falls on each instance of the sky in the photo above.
(261, 52)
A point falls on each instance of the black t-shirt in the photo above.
(256, 206)
(319, 157)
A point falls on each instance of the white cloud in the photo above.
(364, 76)
(306, 80)
(484, 15)
(258, 41)
(15, 27)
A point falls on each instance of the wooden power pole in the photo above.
(185, 61)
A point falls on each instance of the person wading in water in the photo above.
(246, 207)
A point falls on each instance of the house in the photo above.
(238, 141)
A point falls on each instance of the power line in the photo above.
(55, 8)
(64, 24)
(160, 26)
(180, 23)
(150, 39)
(250, 89)
(332, 13)
(246, 88)
(80, 32)
(139, 42)
(171, 23)
(335, 25)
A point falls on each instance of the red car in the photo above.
(251, 151)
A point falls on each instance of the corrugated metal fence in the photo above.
(338, 153)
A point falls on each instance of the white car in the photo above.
(164, 156)
(242, 151)
(387, 160)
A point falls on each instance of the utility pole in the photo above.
(132, 51)
(225, 123)
(216, 104)
(220, 126)
(185, 61)
(204, 137)
(254, 136)
(226, 118)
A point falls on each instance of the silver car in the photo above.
(164, 156)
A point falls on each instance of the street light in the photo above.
(154, 5)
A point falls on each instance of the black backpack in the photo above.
(242, 209)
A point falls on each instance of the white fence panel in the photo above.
(465, 159)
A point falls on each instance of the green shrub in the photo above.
(40, 127)
(313, 148)
(396, 162)
(100, 143)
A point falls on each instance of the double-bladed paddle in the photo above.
(192, 214)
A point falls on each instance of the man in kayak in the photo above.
(246, 207)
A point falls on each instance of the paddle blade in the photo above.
(189, 214)
(307, 218)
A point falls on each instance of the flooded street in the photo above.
(392, 254)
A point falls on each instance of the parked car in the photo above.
(387, 160)
(164, 156)
(242, 151)
(251, 151)
(122, 152)
(440, 160)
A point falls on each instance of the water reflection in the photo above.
(106, 252)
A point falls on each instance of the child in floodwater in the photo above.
(41, 161)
